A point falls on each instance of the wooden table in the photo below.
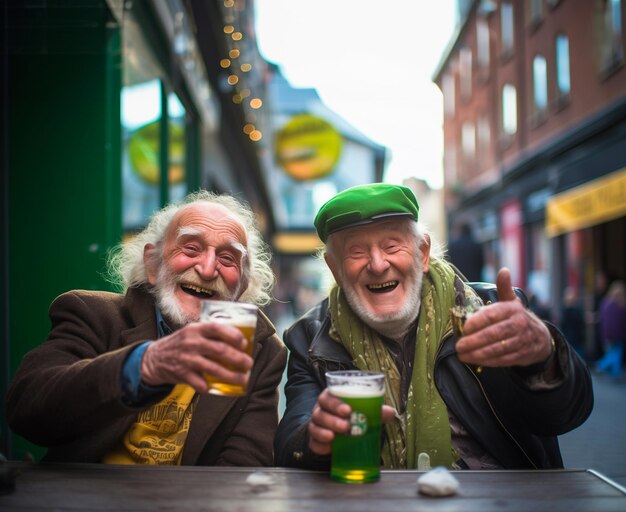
(82, 487)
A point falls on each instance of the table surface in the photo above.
(108, 487)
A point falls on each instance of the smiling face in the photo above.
(203, 257)
(379, 266)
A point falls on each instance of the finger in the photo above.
(319, 448)
(503, 283)
(487, 326)
(320, 440)
(321, 434)
(322, 428)
(331, 418)
(225, 333)
(505, 358)
(492, 323)
(226, 355)
(211, 368)
(333, 405)
(387, 414)
(482, 352)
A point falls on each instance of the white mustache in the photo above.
(217, 285)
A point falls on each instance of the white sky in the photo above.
(371, 61)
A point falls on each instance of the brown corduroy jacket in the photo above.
(66, 394)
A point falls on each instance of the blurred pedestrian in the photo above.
(596, 351)
(572, 322)
(537, 306)
(613, 328)
(466, 253)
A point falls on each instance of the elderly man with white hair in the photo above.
(495, 398)
(122, 378)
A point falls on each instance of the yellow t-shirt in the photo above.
(159, 433)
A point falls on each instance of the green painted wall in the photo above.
(64, 178)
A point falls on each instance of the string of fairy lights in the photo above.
(238, 70)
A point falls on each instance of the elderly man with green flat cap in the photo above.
(497, 398)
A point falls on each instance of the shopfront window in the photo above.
(177, 150)
(155, 130)
(141, 170)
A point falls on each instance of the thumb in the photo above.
(505, 288)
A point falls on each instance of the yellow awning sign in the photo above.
(296, 243)
(308, 147)
(598, 201)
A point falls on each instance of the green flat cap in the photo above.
(365, 204)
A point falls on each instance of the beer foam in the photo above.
(239, 314)
(236, 320)
(355, 391)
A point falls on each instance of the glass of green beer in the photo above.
(356, 455)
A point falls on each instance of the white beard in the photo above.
(165, 293)
(396, 324)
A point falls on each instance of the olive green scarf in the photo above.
(425, 426)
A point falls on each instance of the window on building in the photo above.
(483, 136)
(610, 38)
(450, 164)
(562, 66)
(468, 141)
(540, 84)
(535, 11)
(449, 90)
(509, 110)
(506, 28)
(482, 44)
(465, 62)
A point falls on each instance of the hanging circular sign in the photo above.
(143, 152)
(308, 147)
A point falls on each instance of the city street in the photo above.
(600, 443)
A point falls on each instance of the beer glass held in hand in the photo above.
(356, 455)
(238, 314)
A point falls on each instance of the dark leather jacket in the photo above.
(514, 424)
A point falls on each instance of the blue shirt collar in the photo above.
(162, 328)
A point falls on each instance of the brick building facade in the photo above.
(535, 141)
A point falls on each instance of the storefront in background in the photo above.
(106, 108)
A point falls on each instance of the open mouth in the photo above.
(383, 287)
(197, 291)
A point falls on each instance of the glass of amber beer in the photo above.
(238, 314)
(356, 454)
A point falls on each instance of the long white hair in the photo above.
(125, 263)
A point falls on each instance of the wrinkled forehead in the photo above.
(207, 219)
(401, 227)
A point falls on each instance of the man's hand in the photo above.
(331, 416)
(504, 333)
(198, 348)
